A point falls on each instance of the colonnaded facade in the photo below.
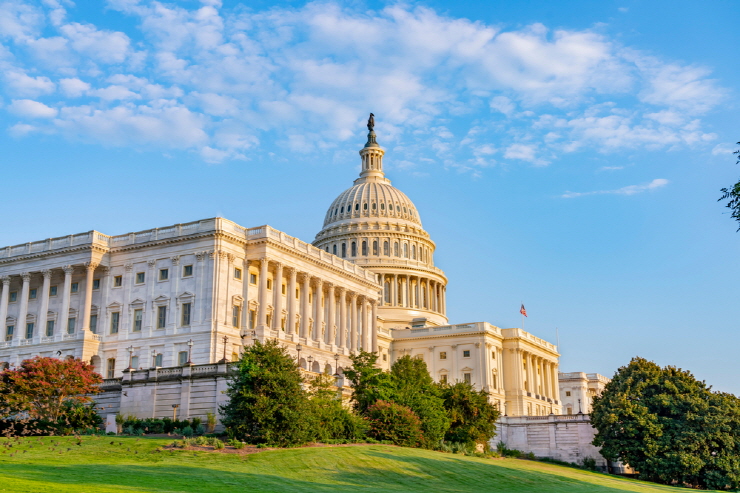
(166, 307)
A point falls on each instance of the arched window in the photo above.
(387, 294)
(335, 211)
(375, 247)
(364, 248)
(413, 252)
(342, 209)
(357, 206)
(354, 248)
(404, 210)
(386, 251)
(374, 205)
(405, 250)
(382, 206)
(344, 250)
(390, 206)
(364, 206)
(327, 249)
(395, 249)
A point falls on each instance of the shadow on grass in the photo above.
(305, 472)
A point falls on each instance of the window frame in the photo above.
(71, 325)
(164, 275)
(140, 278)
(185, 269)
(162, 317)
(96, 284)
(137, 325)
(33, 293)
(115, 322)
(53, 290)
(466, 353)
(118, 281)
(186, 314)
(237, 273)
(74, 288)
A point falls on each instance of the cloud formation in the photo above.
(628, 190)
(220, 81)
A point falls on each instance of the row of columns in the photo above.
(41, 318)
(340, 312)
(541, 376)
(405, 290)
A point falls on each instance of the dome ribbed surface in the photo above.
(372, 199)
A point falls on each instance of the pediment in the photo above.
(187, 295)
(138, 302)
(161, 299)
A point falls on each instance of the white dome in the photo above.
(375, 199)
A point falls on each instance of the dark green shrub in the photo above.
(396, 423)
(200, 430)
(187, 431)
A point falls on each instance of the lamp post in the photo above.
(225, 340)
(190, 351)
(298, 348)
(579, 407)
(174, 411)
(130, 350)
(309, 360)
(154, 358)
(336, 365)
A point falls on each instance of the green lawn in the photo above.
(97, 466)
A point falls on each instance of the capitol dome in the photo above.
(375, 225)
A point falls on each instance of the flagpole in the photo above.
(557, 338)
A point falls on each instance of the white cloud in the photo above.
(103, 46)
(31, 109)
(628, 190)
(723, 148)
(24, 85)
(73, 87)
(503, 105)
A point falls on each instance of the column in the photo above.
(21, 324)
(173, 319)
(262, 294)
(290, 298)
(444, 300)
(277, 296)
(374, 325)
(318, 320)
(548, 382)
(394, 289)
(342, 318)
(412, 287)
(305, 313)
(353, 322)
(330, 315)
(364, 325)
(555, 383)
(44, 308)
(407, 301)
(4, 305)
(87, 307)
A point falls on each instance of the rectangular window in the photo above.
(32, 294)
(29, 330)
(140, 277)
(164, 274)
(94, 324)
(75, 287)
(283, 289)
(466, 353)
(49, 328)
(269, 284)
(443, 378)
(493, 355)
(135, 362)
(115, 318)
(96, 284)
(161, 317)
(187, 270)
(138, 318)
(117, 281)
(442, 355)
(9, 332)
(236, 312)
(252, 278)
(385, 357)
(52, 290)
(237, 273)
(467, 378)
(13, 296)
(111, 370)
(182, 358)
(186, 307)
(71, 325)
(158, 360)
(567, 393)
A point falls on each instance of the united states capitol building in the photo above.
(161, 312)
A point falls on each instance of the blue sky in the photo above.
(568, 156)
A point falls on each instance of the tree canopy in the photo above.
(732, 196)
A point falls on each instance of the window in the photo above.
(52, 290)
(375, 247)
(334, 249)
(111, 370)
(443, 378)
(354, 248)
(115, 318)
(138, 318)
(13, 296)
(252, 319)
(567, 393)
(29, 330)
(187, 270)
(252, 278)
(158, 360)
(186, 307)
(382, 206)
(96, 284)
(493, 354)
(49, 328)
(117, 281)
(236, 312)
(467, 378)
(344, 250)
(357, 207)
(269, 284)
(405, 250)
(71, 322)
(237, 273)
(75, 287)
(395, 249)
(161, 317)
(387, 292)
(182, 358)
(466, 353)
(94, 324)
(443, 355)
(283, 289)
(9, 332)
(364, 206)
(386, 249)
(390, 206)
(385, 357)
(413, 252)
(140, 277)
(375, 206)
(164, 274)
(32, 294)
(134, 362)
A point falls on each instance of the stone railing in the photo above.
(522, 334)
(480, 327)
(552, 418)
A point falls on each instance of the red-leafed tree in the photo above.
(47, 389)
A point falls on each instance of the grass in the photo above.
(135, 465)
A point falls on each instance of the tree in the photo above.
(732, 195)
(669, 426)
(395, 423)
(267, 402)
(369, 382)
(414, 388)
(473, 417)
(56, 393)
(331, 419)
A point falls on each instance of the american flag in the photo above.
(523, 310)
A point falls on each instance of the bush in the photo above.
(199, 430)
(187, 431)
(391, 421)
(330, 420)
(473, 417)
(218, 445)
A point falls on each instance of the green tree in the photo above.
(369, 383)
(267, 402)
(732, 196)
(331, 419)
(669, 426)
(395, 423)
(414, 388)
(473, 417)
